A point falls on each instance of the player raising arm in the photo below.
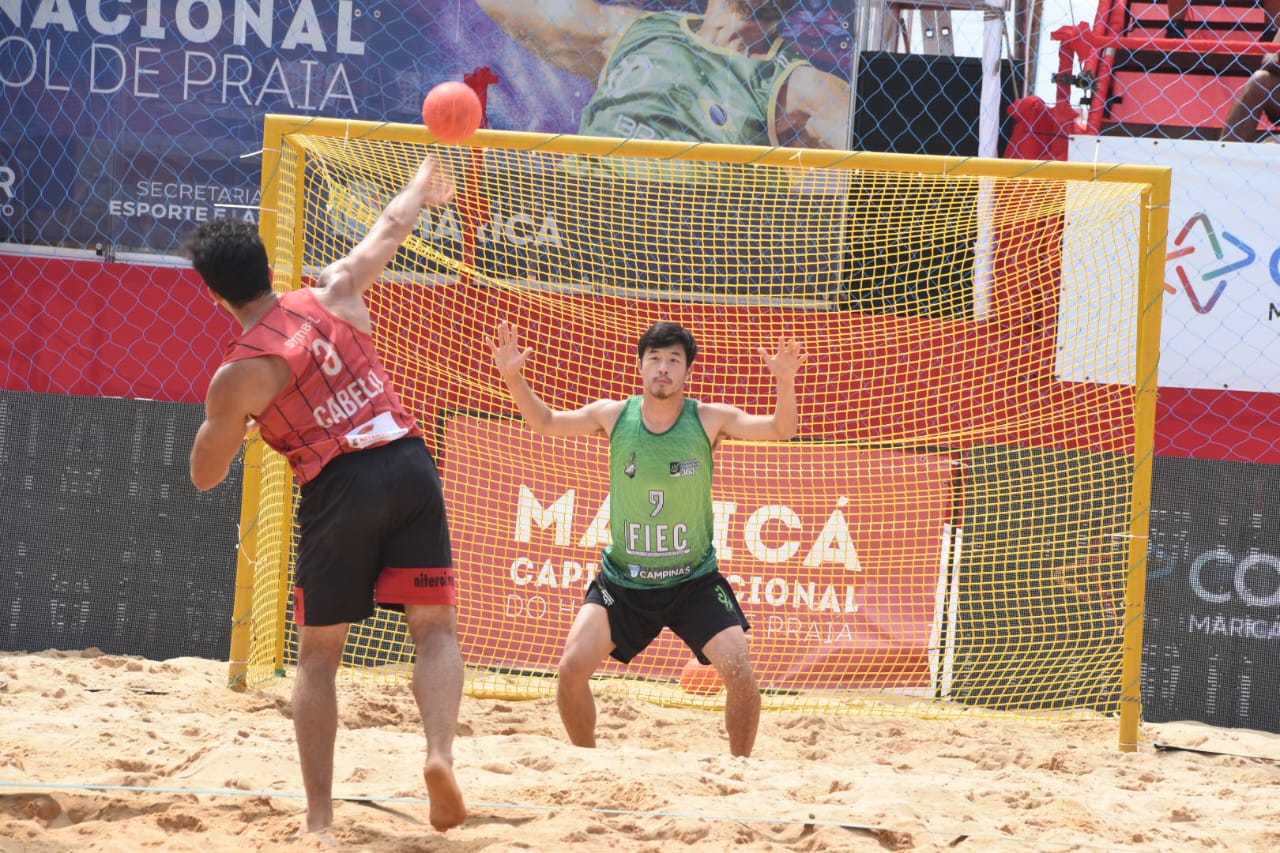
(660, 569)
(371, 517)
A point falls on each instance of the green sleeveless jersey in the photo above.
(663, 82)
(661, 518)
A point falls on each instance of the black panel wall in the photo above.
(915, 104)
(104, 542)
(1211, 650)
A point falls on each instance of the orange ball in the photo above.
(452, 112)
(700, 679)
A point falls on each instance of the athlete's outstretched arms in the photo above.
(340, 286)
(722, 419)
(510, 359)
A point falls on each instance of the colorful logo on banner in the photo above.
(1204, 293)
(834, 554)
(1220, 303)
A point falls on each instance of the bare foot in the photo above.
(308, 829)
(447, 808)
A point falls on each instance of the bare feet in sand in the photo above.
(316, 819)
(447, 808)
(321, 833)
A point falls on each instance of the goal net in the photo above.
(958, 528)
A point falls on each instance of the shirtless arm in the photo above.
(237, 392)
(722, 419)
(574, 35)
(813, 110)
(340, 286)
(510, 358)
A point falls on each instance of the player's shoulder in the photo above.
(606, 412)
(266, 366)
(714, 415)
(713, 407)
(607, 406)
(337, 294)
(246, 383)
(334, 281)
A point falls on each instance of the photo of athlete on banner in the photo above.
(724, 73)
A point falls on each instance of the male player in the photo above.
(723, 76)
(371, 515)
(660, 569)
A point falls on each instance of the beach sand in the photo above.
(108, 753)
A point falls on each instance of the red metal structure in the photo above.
(1135, 81)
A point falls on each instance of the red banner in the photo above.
(834, 552)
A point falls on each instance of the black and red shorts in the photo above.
(695, 611)
(373, 533)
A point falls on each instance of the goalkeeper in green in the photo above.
(660, 569)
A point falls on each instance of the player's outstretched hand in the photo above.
(507, 354)
(786, 362)
(436, 181)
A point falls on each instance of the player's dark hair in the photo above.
(230, 257)
(665, 334)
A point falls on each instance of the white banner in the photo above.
(1222, 278)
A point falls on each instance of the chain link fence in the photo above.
(122, 126)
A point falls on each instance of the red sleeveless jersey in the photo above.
(339, 399)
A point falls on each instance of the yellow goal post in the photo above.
(960, 527)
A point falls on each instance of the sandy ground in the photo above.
(103, 753)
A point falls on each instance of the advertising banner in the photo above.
(1211, 650)
(1222, 277)
(122, 124)
(834, 554)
